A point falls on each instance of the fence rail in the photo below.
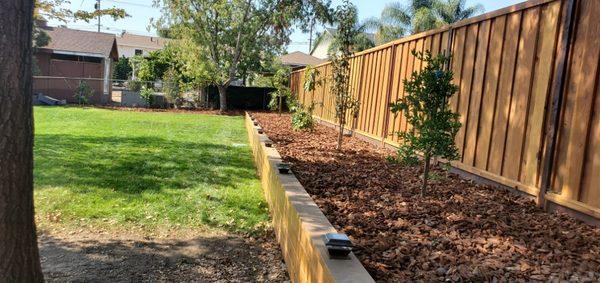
(507, 64)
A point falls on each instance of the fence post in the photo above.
(557, 93)
(389, 95)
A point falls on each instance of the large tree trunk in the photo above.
(222, 98)
(19, 256)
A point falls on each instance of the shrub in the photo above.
(172, 88)
(123, 69)
(134, 85)
(148, 95)
(282, 91)
(302, 119)
(426, 108)
(83, 92)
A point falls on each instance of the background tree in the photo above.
(426, 108)
(340, 86)
(19, 255)
(282, 91)
(55, 9)
(398, 20)
(233, 36)
(123, 69)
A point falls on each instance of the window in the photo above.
(139, 52)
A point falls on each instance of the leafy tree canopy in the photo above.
(398, 19)
(234, 36)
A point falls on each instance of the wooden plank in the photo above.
(476, 94)
(383, 93)
(366, 92)
(465, 84)
(395, 92)
(488, 106)
(405, 63)
(409, 70)
(521, 92)
(458, 44)
(532, 151)
(578, 101)
(435, 44)
(496, 156)
(374, 92)
(590, 189)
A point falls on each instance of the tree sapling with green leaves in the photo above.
(426, 108)
(282, 91)
(345, 103)
(83, 92)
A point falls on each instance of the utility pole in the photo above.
(97, 6)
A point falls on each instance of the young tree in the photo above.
(426, 108)
(233, 35)
(282, 91)
(340, 87)
(19, 256)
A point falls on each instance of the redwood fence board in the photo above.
(505, 64)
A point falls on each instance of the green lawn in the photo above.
(138, 170)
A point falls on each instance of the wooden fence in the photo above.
(528, 96)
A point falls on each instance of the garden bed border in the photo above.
(300, 226)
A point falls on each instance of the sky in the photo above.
(142, 12)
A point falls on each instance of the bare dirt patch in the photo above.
(460, 231)
(219, 257)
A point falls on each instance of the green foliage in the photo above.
(134, 85)
(148, 95)
(56, 10)
(345, 102)
(122, 69)
(426, 108)
(311, 79)
(234, 37)
(83, 92)
(172, 87)
(398, 20)
(153, 66)
(302, 117)
(282, 91)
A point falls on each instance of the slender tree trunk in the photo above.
(427, 160)
(222, 98)
(19, 256)
(280, 104)
(340, 137)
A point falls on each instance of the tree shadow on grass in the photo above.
(137, 164)
(150, 182)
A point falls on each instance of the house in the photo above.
(324, 40)
(130, 44)
(72, 57)
(298, 60)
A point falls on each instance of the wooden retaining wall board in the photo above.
(299, 224)
(505, 63)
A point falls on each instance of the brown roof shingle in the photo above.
(151, 42)
(298, 58)
(72, 40)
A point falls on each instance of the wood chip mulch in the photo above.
(459, 232)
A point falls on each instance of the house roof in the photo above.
(142, 41)
(298, 58)
(80, 41)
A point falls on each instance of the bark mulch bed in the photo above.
(460, 231)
